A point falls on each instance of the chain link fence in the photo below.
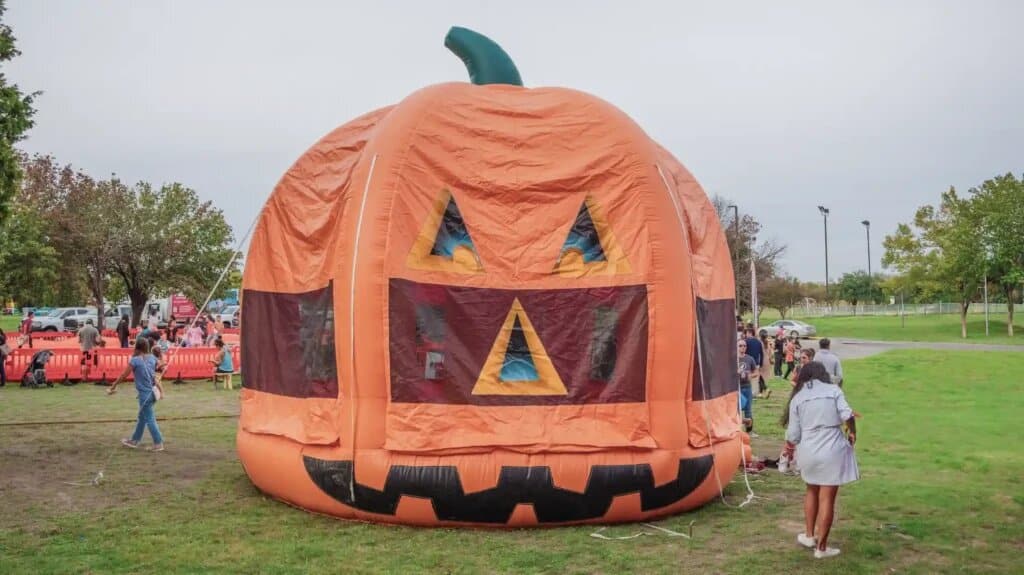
(815, 310)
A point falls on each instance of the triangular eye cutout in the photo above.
(444, 243)
(590, 247)
(518, 363)
(583, 238)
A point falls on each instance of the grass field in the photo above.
(929, 328)
(942, 492)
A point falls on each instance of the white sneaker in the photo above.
(808, 542)
(828, 552)
(753, 435)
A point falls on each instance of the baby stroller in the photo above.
(35, 373)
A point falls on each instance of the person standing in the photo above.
(143, 366)
(813, 420)
(790, 353)
(26, 330)
(123, 331)
(754, 350)
(172, 329)
(194, 336)
(780, 351)
(806, 356)
(830, 361)
(5, 350)
(88, 339)
(746, 368)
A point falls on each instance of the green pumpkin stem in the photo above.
(486, 62)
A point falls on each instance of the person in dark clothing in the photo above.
(780, 351)
(4, 350)
(762, 387)
(172, 329)
(123, 330)
(756, 351)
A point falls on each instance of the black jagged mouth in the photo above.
(516, 485)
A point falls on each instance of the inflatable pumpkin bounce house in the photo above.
(489, 305)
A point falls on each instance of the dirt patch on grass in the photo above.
(47, 471)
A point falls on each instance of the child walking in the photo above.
(143, 366)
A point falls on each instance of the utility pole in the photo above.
(986, 304)
(736, 249)
(871, 278)
(867, 228)
(824, 214)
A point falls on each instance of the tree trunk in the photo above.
(782, 312)
(964, 305)
(98, 294)
(96, 287)
(1010, 293)
(138, 299)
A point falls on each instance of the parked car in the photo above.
(64, 319)
(793, 328)
(113, 314)
(227, 316)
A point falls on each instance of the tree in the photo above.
(946, 249)
(858, 286)
(92, 241)
(781, 293)
(16, 113)
(742, 241)
(168, 242)
(45, 188)
(1000, 205)
(28, 262)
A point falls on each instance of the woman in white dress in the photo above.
(813, 419)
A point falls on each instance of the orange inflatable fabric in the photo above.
(489, 305)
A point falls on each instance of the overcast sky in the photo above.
(870, 108)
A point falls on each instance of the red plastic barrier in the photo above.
(109, 363)
(52, 335)
(113, 332)
(195, 362)
(64, 362)
(185, 363)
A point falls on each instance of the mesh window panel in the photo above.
(288, 343)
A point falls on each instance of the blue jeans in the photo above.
(147, 418)
(747, 401)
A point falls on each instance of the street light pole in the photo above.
(824, 214)
(867, 228)
(736, 249)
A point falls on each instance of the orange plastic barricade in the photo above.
(52, 335)
(17, 362)
(185, 363)
(109, 364)
(196, 362)
(64, 363)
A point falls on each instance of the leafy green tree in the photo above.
(781, 293)
(28, 263)
(87, 235)
(858, 286)
(169, 241)
(945, 249)
(45, 189)
(16, 113)
(1000, 205)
